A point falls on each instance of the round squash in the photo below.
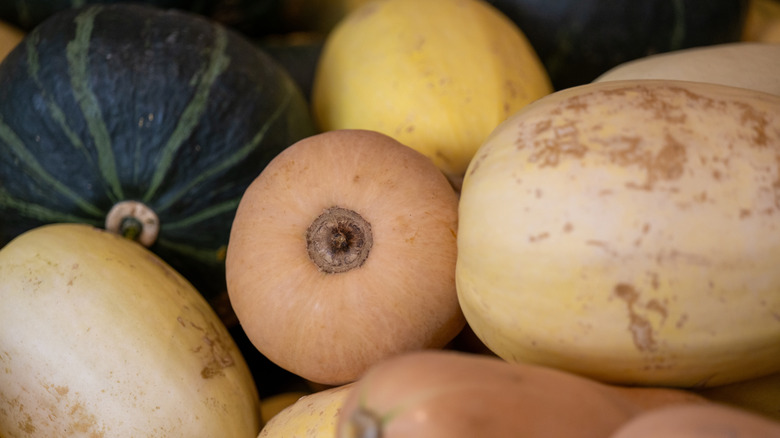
(342, 252)
(577, 40)
(312, 415)
(627, 231)
(436, 75)
(740, 64)
(100, 337)
(699, 421)
(151, 123)
(448, 394)
(10, 36)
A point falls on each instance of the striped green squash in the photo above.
(26, 14)
(113, 103)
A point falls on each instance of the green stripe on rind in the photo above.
(205, 214)
(39, 212)
(234, 158)
(213, 257)
(77, 52)
(190, 117)
(55, 111)
(38, 173)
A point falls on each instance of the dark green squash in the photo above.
(577, 40)
(114, 103)
(26, 14)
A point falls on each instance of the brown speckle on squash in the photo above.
(640, 327)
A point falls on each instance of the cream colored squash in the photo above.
(628, 231)
(743, 64)
(436, 75)
(313, 415)
(99, 337)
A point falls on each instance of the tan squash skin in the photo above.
(449, 394)
(101, 338)
(709, 420)
(329, 327)
(628, 231)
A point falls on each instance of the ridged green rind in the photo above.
(114, 102)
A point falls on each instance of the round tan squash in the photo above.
(448, 394)
(436, 75)
(10, 37)
(313, 415)
(709, 420)
(628, 231)
(743, 64)
(342, 252)
(100, 337)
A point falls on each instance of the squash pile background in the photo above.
(294, 32)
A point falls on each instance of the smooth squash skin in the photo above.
(312, 415)
(342, 253)
(436, 75)
(100, 337)
(451, 394)
(172, 113)
(741, 64)
(627, 231)
(709, 420)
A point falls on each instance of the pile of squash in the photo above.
(365, 218)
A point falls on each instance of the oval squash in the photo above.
(436, 394)
(627, 231)
(437, 76)
(312, 415)
(159, 108)
(100, 337)
(342, 252)
(740, 64)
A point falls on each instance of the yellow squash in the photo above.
(628, 231)
(313, 415)
(100, 337)
(10, 36)
(437, 75)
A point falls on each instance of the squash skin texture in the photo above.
(329, 327)
(128, 102)
(627, 231)
(100, 337)
(436, 394)
(313, 415)
(437, 76)
(741, 64)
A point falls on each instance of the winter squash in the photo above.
(26, 14)
(437, 76)
(312, 415)
(627, 231)
(100, 337)
(577, 40)
(145, 121)
(442, 393)
(342, 252)
(740, 64)
(10, 36)
(699, 421)
(763, 22)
